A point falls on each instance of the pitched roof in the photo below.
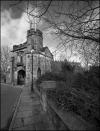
(44, 48)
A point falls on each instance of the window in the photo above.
(20, 59)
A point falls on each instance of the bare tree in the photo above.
(76, 23)
(5, 59)
(78, 27)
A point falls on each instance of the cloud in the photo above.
(15, 12)
(13, 31)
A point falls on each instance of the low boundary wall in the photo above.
(61, 120)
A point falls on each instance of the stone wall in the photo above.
(61, 120)
(39, 61)
(28, 68)
(41, 57)
(54, 118)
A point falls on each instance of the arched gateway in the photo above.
(21, 77)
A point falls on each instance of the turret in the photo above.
(35, 39)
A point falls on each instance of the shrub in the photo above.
(78, 92)
(66, 66)
(82, 97)
(50, 76)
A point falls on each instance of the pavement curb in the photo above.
(15, 111)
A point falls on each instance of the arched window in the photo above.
(19, 59)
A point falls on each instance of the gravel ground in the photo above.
(9, 97)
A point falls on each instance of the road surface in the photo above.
(9, 97)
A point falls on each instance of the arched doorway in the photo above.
(21, 77)
(38, 72)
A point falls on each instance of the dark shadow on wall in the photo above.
(39, 73)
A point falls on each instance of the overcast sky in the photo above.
(14, 26)
(14, 23)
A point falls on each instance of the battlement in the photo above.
(19, 47)
(33, 32)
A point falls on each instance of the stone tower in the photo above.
(35, 39)
(30, 59)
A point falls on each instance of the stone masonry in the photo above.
(30, 58)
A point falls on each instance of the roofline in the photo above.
(19, 49)
(39, 53)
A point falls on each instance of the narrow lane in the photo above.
(9, 97)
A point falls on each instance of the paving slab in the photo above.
(25, 128)
(21, 114)
(29, 114)
(25, 108)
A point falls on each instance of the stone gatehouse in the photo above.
(30, 59)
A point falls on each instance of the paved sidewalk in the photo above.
(30, 115)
